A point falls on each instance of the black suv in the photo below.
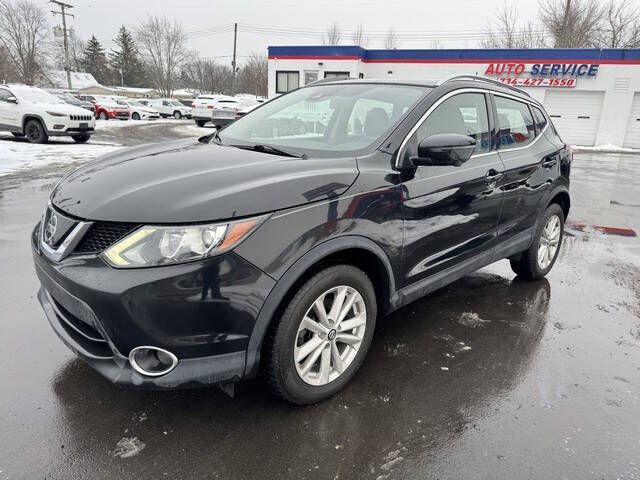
(262, 250)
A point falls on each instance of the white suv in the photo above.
(36, 114)
(169, 107)
(218, 109)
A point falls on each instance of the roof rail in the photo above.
(480, 78)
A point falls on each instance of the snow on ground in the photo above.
(110, 124)
(20, 155)
(607, 148)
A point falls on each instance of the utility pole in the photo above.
(233, 62)
(64, 15)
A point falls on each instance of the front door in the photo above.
(8, 111)
(451, 212)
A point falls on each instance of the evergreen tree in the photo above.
(126, 59)
(95, 61)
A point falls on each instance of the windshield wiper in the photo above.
(272, 150)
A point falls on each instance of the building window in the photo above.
(310, 76)
(336, 75)
(287, 81)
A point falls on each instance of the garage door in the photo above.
(575, 113)
(632, 137)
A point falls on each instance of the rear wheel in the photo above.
(177, 115)
(322, 337)
(80, 138)
(200, 123)
(538, 260)
(35, 132)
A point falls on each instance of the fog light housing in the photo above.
(58, 126)
(152, 361)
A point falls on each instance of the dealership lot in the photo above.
(489, 378)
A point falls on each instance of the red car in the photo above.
(106, 108)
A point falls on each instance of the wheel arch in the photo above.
(33, 116)
(350, 250)
(561, 197)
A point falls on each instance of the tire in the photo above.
(532, 264)
(135, 116)
(35, 132)
(103, 116)
(200, 123)
(286, 336)
(80, 138)
(17, 134)
(177, 115)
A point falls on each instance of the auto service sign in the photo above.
(560, 75)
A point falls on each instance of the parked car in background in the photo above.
(37, 115)
(138, 110)
(257, 251)
(169, 107)
(71, 100)
(106, 108)
(241, 113)
(219, 110)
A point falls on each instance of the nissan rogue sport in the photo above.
(251, 251)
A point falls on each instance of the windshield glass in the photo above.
(69, 99)
(37, 96)
(176, 103)
(344, 118)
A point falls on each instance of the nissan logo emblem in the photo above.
(50, 228)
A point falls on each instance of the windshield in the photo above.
(36, 95)
(69, 99)
(176, 103)
(344, 118)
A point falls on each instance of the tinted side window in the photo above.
(4, 94)
(541, 120)
(465, 114)
(515, 123)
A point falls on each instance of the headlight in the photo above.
(57, 114)
(151, 246)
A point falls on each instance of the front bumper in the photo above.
(202, 312)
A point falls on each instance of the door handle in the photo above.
(549, 162)
(492, 177)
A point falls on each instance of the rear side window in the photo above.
(540, 119)
(515, 123)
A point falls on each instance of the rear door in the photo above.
(451, 212)
(531, 165)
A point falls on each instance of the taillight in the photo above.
(210, 107)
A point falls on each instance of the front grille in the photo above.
(102, 235)
(81, 118)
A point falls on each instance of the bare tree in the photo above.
(391, 40)
(207, 76)
(358, 37)
(253, 75)
(7, 70)
(23, 34)
(572, 23)
(620, 25)
(162, 46)
(510, 34)
(333, 35)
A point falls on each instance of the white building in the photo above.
(592, 95)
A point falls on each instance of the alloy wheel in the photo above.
(549, 241)
(330, 335)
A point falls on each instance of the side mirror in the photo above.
(444, 149)
(12, 100)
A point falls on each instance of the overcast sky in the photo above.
(456, 23)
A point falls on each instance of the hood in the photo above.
(65, 108)
(188, 181)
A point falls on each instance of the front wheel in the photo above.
(103, 116)
(538, 260)
(80, 138)
(35, 132)
(135, 116)
(177, 115)
(318, 344)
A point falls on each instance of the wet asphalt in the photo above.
(491, 377)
